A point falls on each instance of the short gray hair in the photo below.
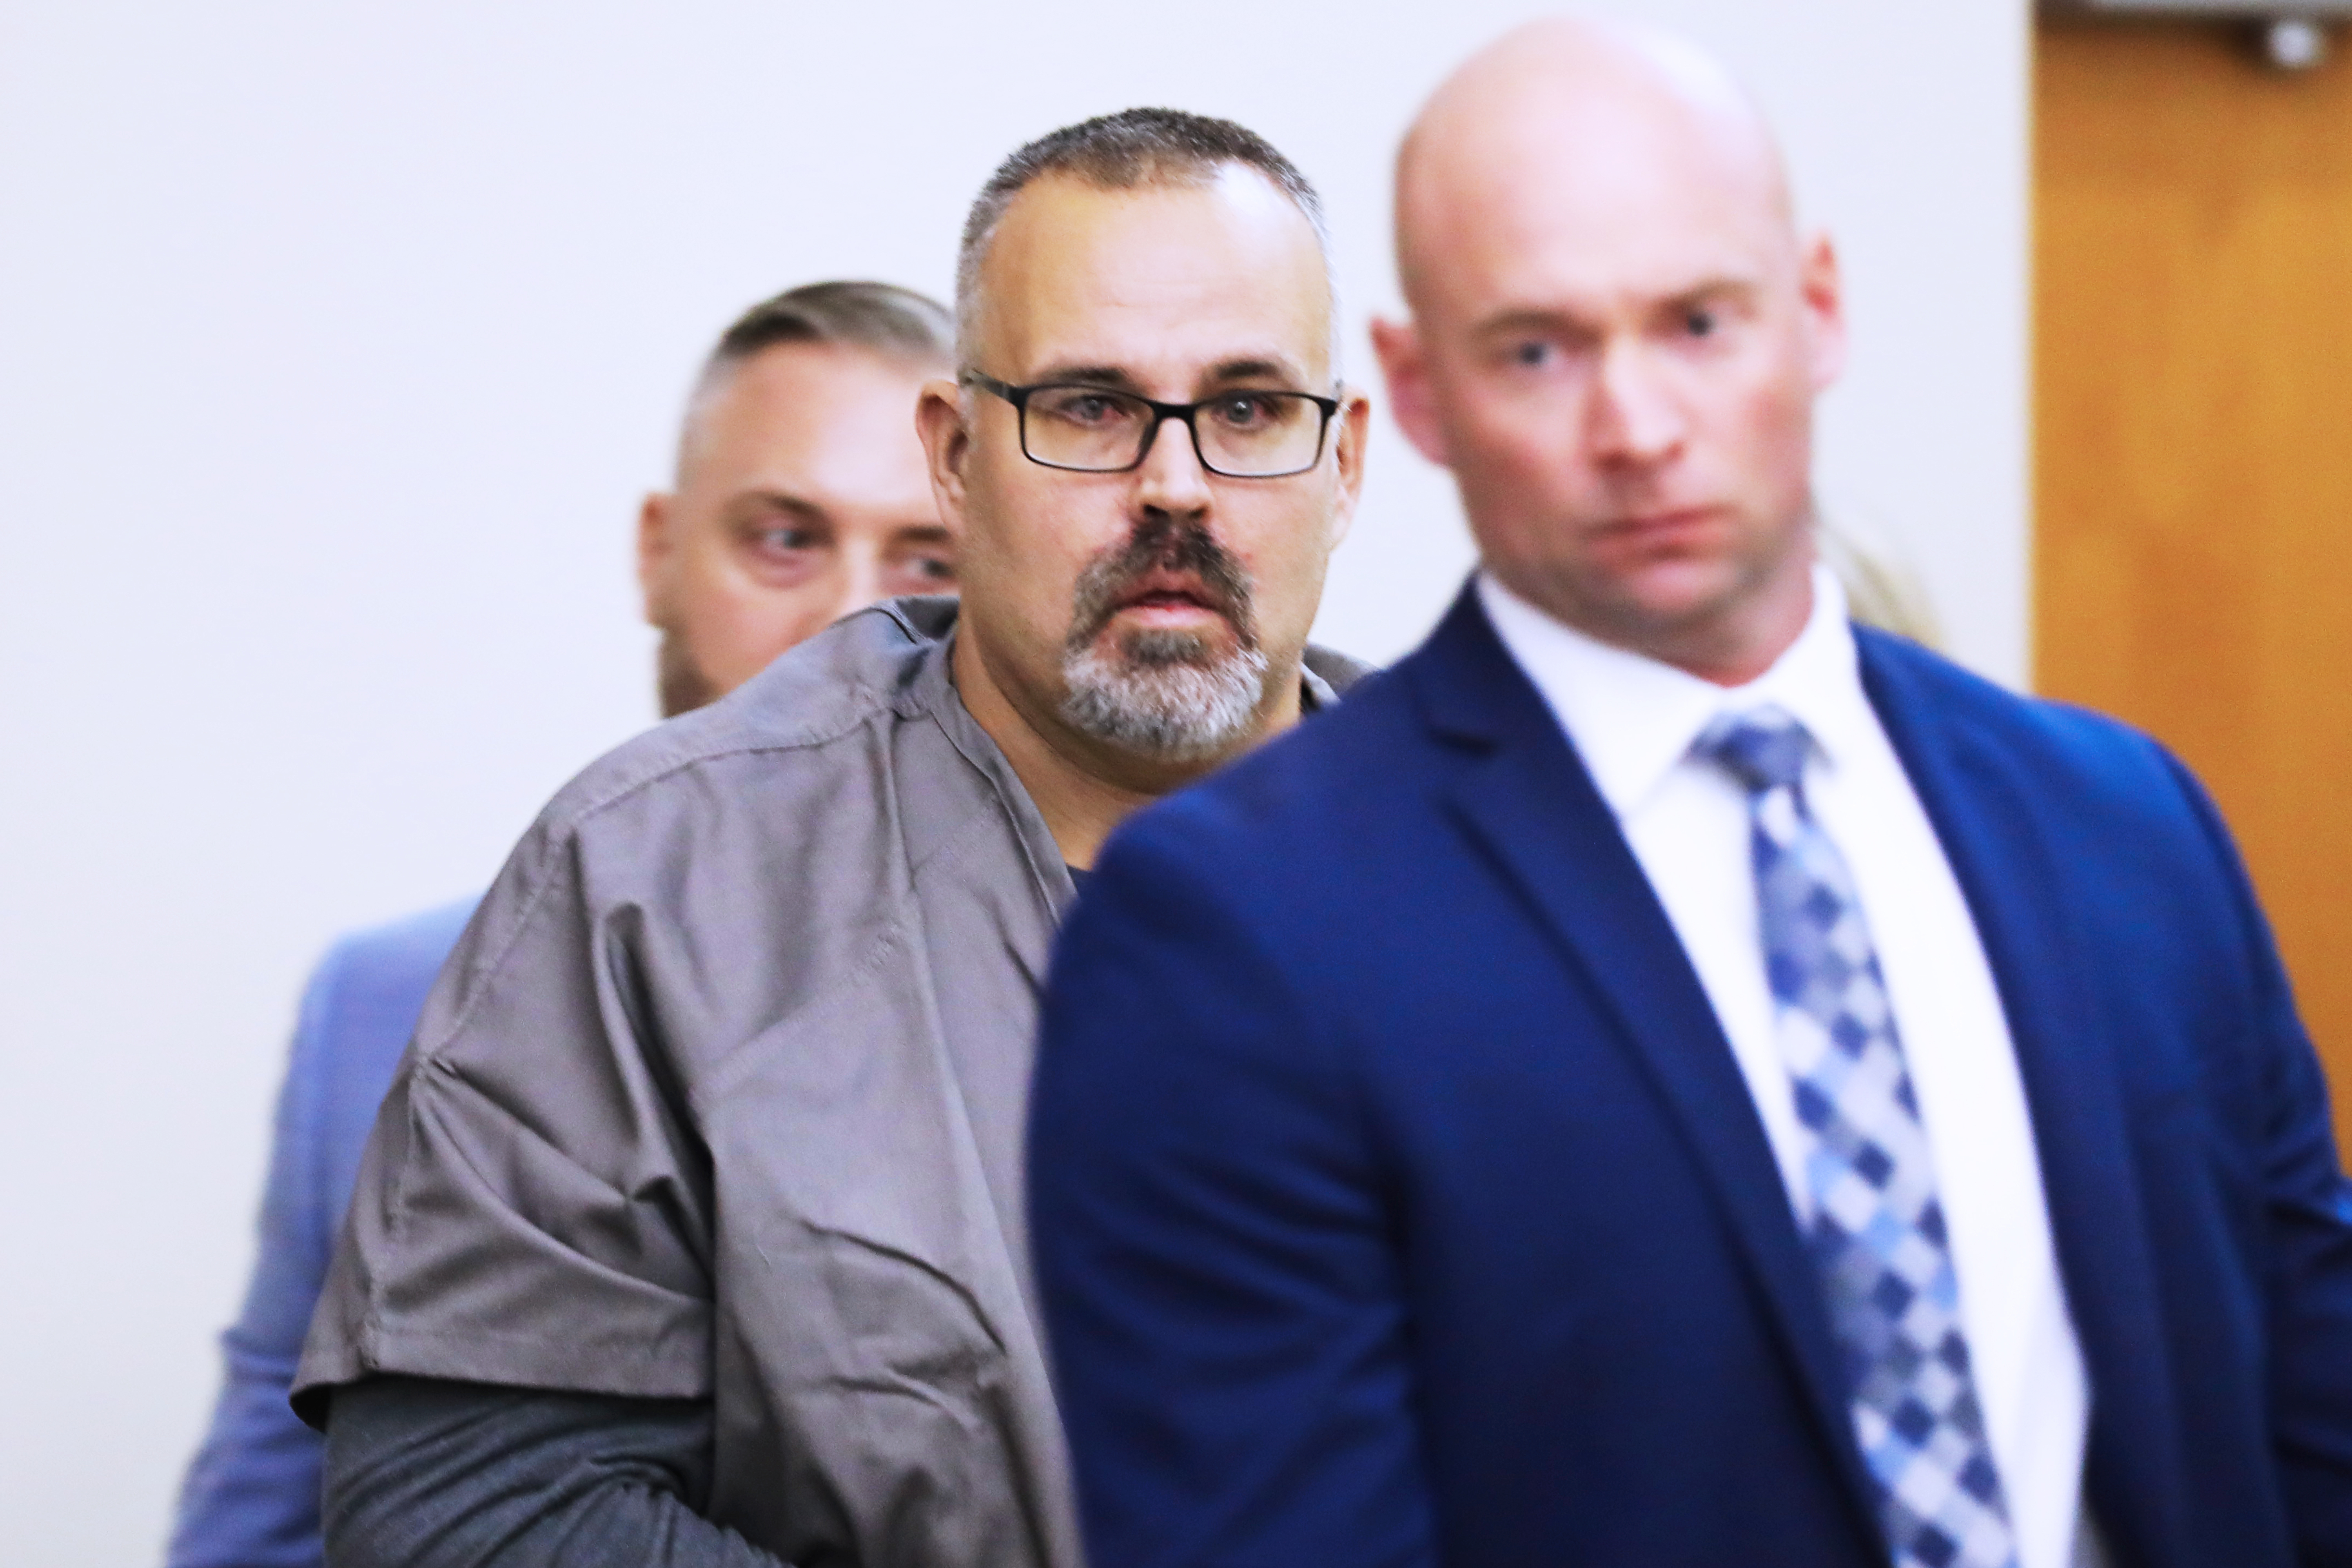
(880, 319)
(1116, 153)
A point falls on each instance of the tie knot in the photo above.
(1764, 748)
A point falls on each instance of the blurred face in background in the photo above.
(1152, 619)
(801, 496)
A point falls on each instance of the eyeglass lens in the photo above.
(1242, 434)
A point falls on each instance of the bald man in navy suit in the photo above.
(1665, 1075)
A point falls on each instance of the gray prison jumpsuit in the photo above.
(710, 1137)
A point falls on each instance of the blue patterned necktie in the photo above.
(1877, 1236)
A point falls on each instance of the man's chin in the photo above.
(1675, 592)
(1707, 616)
(1200, 643)
(679, 682)
(1633, 608)
(1165, 705)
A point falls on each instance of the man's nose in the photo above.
(860, 582)
(1171, 478)
(1635, 414)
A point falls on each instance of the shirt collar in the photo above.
(1315, 693)
(1632, 718)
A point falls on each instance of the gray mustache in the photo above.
(1161, 544)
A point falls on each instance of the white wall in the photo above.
(336, 344)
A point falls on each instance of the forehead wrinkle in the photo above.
(1543, 304)
(1119, 377)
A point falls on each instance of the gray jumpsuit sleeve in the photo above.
(512, 1356)
(533, 1210)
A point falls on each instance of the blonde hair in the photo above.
(1879, 590)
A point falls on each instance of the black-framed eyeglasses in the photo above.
(1244, 433)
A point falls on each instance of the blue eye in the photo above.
(1700, 323)
(1534, 352)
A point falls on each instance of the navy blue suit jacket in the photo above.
(1396, 1200)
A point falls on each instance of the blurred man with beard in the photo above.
(800, 495)
(691, 1232)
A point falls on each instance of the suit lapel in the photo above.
(1526, 800)
(2006, 859)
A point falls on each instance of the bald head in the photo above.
(1596, 112)
(1617, 337)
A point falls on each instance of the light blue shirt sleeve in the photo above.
(250, 1499)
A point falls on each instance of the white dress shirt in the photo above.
(1632, 721)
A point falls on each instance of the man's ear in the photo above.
(939, 420)
(1405, 368)
(1821, 283)
(654, 550)
(1354, 422)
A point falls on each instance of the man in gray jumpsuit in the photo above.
(691, 1232)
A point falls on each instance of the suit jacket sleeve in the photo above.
(251, 1496)
(2310, 1250)
(1207, 1215)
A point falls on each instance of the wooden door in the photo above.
(2193, 444)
